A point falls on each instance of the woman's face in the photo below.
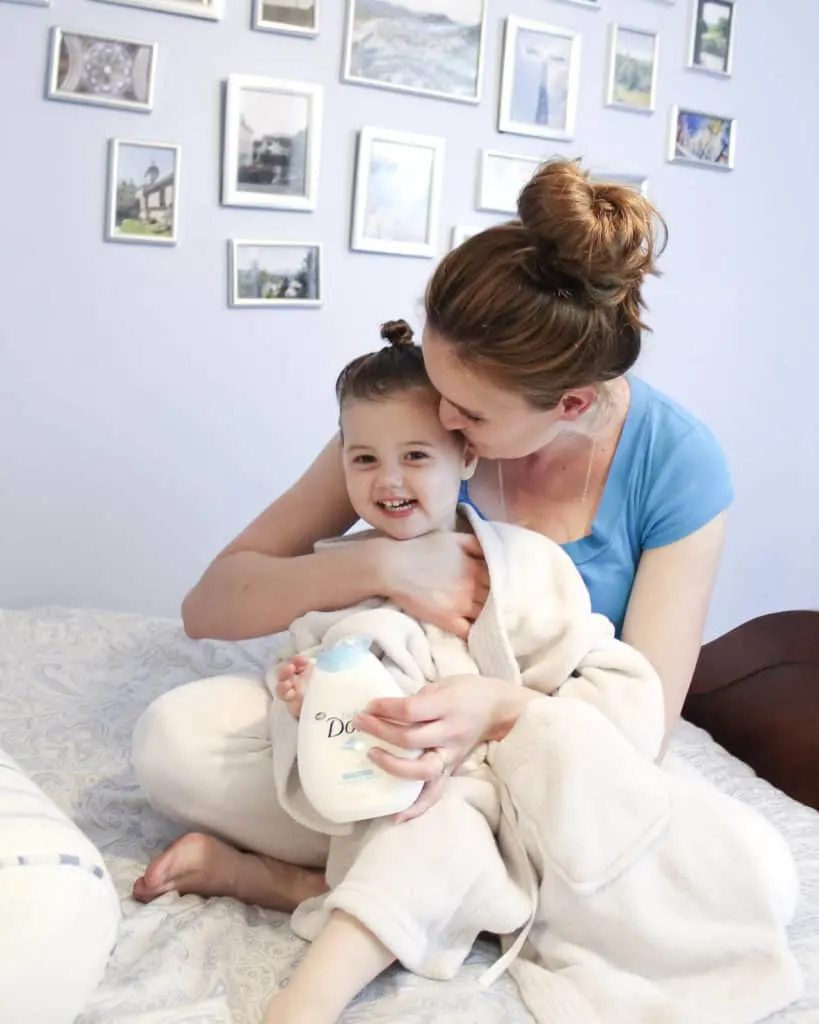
(498, 424)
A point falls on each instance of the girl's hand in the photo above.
(440, 578)
(293, 677)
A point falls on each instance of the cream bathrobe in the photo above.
(626, 893)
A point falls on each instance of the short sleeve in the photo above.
(692, 485)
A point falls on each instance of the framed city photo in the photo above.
(701, 139)
(501, 176)
(639, 182)
(274, 275)
(143, 192)
(397, 193)
(712, 36)
(539, 82)
(213, 10)
(295, 17)
(632, 78)
(103, 70)
(428, 47)
(272, 141)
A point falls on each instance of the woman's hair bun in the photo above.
(595, 239)
(397, 333)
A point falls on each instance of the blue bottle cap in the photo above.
(344, 654)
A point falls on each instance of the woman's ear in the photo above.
(470, 462)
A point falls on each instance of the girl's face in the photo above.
(402, 466)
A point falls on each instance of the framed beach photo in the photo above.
(540, 78)
(632, 77)
(639, 182)
(102, 70)
(295, 17)
(274, 275)
(397, 193)
(501, 176)
(213, 10)
(143, 192)
(712, 37)
(271, 145)
(701, 139)
(428, 47)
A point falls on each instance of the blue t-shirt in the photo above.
(668, 478)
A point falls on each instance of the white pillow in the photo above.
(59, 913)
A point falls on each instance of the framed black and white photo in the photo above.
(639, 182)
(712, 37)
(212, 10)
(397, 193)
(294, 17)
(272, 142)
(274, 275)
(540, 78)
(501, 176)
(103, 70)
(143, 192)
(632, 77)
(429, 47)
(702, 139)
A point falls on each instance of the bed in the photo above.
(72, 683)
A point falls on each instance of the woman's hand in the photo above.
(447, 720)
(439, 578)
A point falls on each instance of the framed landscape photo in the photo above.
(274, 275)
(213, 10)
(295, 17)
(540, 78)
(712, 37)
(639, 182)
(397, 193)
(501, 176)
(632, 78)
(272, 141)
(103, 70)
(702, 139)
(143, 192)
(428, 47)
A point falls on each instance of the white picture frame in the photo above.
(452, 70)
(711, 41)
(31, 3)
(501, 176)
(291, 17)
(102, 70)
(639, 182)
(143, 192)
(397, 193)
(592, 5)
(694, 142)
(271, 143)
(210, 10)
(461, 232)
(540, 80)
(632, 71)
(278, 274)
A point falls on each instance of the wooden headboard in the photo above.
(756, 691)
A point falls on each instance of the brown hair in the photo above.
(552, 300)
(397, 367)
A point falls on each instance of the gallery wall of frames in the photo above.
(528, 72)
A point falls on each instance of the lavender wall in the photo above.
(143, 423)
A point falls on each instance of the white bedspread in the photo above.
(72, 683)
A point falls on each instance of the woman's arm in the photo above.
(666, 613)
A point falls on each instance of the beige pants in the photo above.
(426, 888)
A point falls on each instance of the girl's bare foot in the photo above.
(204, 865)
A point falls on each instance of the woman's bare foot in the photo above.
(204, 865)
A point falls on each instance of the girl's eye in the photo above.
(416, 456)
(364, 460)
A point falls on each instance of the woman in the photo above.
(531, 330)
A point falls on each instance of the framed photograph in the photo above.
(632, 79)
(428, 47)
(501, 176)
(639, 182)
(397, 193)
(712, 37)
(539, 82)
(274, 275)
(460, 233)
(272, 141)
(705, 140)
(143, 192)
(107, 71)
(213, 10)
(296, 17)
